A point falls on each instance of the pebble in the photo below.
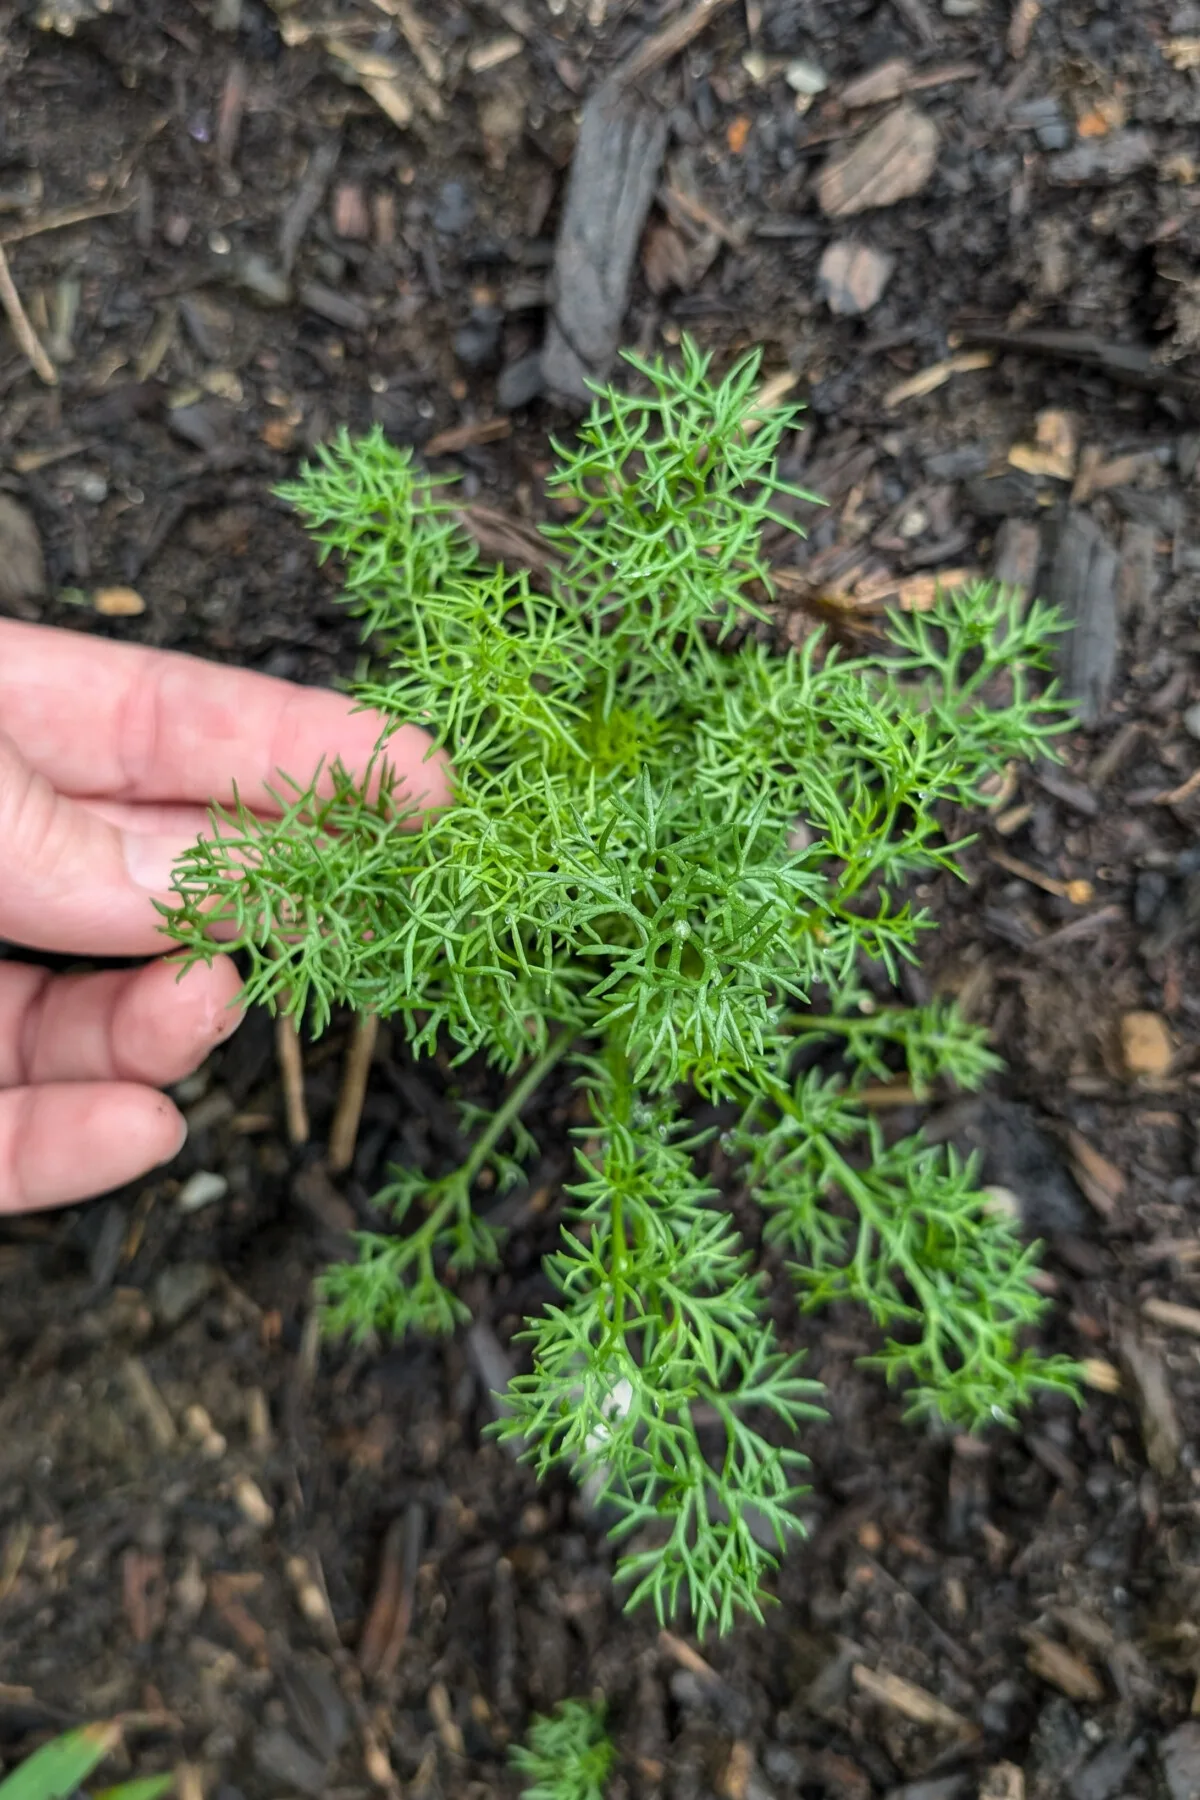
(261, 280)
(477, 343)
(180, 1289)
(454, 209)
(1191, 719)
(1179, 1753)
(280, 1758)
(520, 382)
(202, 1189)
(806, 77)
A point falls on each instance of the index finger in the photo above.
(121, 722)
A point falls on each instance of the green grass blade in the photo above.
(57, 1769)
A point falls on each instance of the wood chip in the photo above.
(666, 260)
(22, 566)
(493, 53)
(853, 276)
(390, 1618)
(668, 42)
(1172, 1316)
(415, 36)
(1146, 1047)
(150, 1403)
(1083, 582)
(927, 381)
(1055, 450)
(1052, 1662)
(1161, 1431)
(390, 98)
(464, 437)
(1020, 27)
(351, 216)
(28, 342)
(1182, 52)
(1101, 1181)
(251, 1502)
(118, 602)
(911, 1701)
(886, 81)
(892, 162)
(1003, 1781)
(614, 173)
(1017, 556)
(442, 1714)
(1100, 1376)
(734, 1780)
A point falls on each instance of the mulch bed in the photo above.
(969, 234)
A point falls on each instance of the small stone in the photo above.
(261, 280)
(961, 9)
(280, 1758)
(1109, 158)
(806, 77)
(180, 1289)
(1191, 720)
(22, 569)
(853, 277)
(1146, 1047)
(520, 382)
(1179, 1753)
(118, 602)
(202, 1189)
(454, 210)
(477, 343)
(893, 161)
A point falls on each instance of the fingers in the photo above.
(128, 1025)
(79, 1057)
(120, 722)
(67, 1142)
(72, 881)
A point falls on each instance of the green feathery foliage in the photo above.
(671, 855)
(568, 1754)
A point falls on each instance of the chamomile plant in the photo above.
(673, 852)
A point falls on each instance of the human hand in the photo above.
(109, 757)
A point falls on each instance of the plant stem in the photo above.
(500, 1121)
(344, 1132)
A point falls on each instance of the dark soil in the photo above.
(200, 1503)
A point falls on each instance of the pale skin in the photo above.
(110, 755)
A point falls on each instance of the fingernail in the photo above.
(151, 860)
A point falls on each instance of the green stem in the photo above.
(500, 1121)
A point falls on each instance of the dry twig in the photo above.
(669, 41)
(344, 1132)
(291, 1070)
(22, 330)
